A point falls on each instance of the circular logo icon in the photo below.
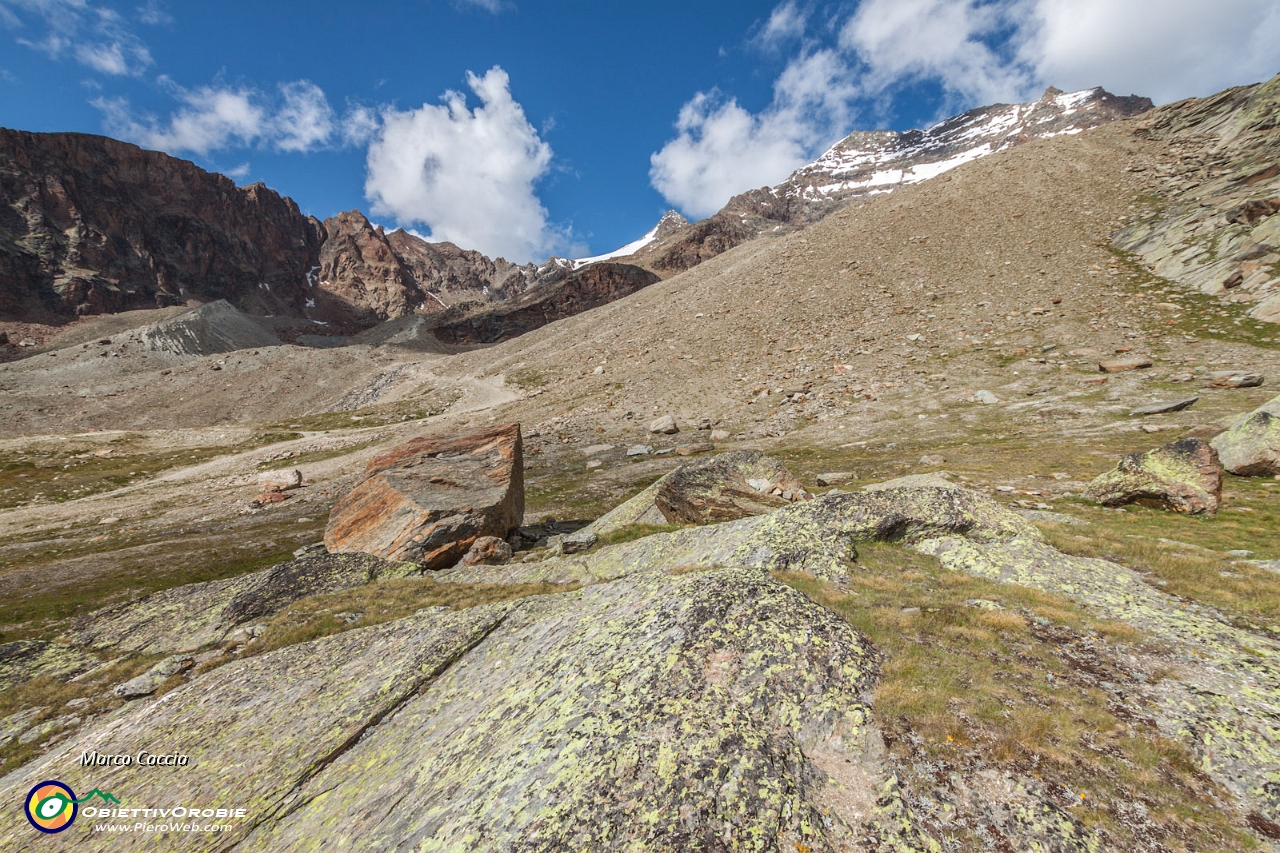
(51, 806)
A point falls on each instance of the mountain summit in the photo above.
(868, 163)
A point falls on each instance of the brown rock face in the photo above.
(89, 225)
(427, 501)
(726, 487)
(361, 278)
(1184, 476)
(548, 301)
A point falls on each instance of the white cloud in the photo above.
(1164, 49)
(491, 6)
(152, 13)
(721, 149)
(98, 38)
(214, 118)
(983, 52)
(468, 175)
(305, 119)
(899, 42)
(786, 23)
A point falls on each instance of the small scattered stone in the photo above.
(690, 449)
(487, 551)
(267, 498)
(1230, 379)
(280, 481)
(1164, 408)
(1240, 554)
(109, 520)
(983, 604)
(665, 425)
(314, 549)
(1120, 365)
(719, 434)
(836, 478)
(639, 450)
(986, 398)
(572, 543)
(928, 459)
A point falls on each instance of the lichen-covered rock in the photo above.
(708, 490)
(427, 501)
(721, 488)
(1184, 475)
(711, 710)
(1251, 447)
(189, 617)
(23, 660)
(816, 536)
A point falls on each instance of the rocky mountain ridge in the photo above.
(869, 163)
(91, 225)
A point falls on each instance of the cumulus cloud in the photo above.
(214, 118)
(98, 38)
(900, 42)
(466, 174)
(722, 149)
(1164, 49)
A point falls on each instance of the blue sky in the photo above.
(524, 128)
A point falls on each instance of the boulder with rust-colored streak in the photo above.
(1184, 476)
(726, 487)
(427, 501)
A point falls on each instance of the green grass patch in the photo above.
(1186, 555)
(68, 470)
(316, 616)
(133, 566)
(965, 688)
(51, 695)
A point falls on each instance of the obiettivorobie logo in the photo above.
(52, 806)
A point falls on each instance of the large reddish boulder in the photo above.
(428, 501)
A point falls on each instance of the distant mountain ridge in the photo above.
(92, 225)
(867, 163)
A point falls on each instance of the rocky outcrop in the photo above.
(429, 500)
(817, 536)
(90, 225)
(553, 298)
(737, 484)
(1251, 447)
(362, 279)
(1216, 697)
(715, 709)
(1184, 476)
(1215, 229)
